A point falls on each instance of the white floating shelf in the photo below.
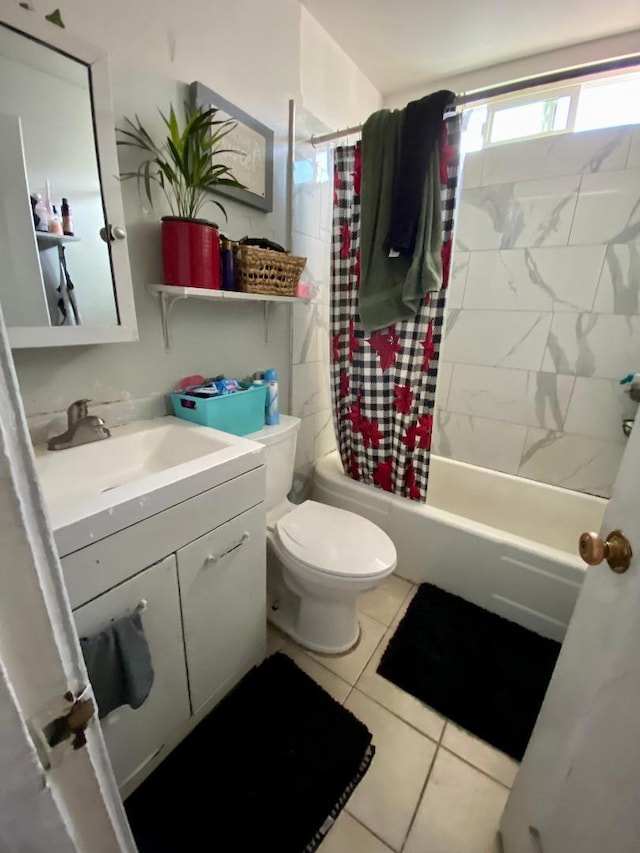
(169, 294)
(48, 241)
(212, 295)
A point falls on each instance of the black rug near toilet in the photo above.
(264, 771)
(483, 672)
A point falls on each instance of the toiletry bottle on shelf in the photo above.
(47, 199)
(67, 220)
(40, 215)
(272, 410)
(55, 226)
(228, 265)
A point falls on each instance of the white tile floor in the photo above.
(432, 786)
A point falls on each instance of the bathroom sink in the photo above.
(145, 467)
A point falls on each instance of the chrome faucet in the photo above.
(82, 428)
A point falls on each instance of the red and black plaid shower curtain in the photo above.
(384, 384)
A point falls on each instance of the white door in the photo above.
(52, 798)
(578, 789)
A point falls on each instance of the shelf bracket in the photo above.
(167, 302)
(267, 315)
(168, 298)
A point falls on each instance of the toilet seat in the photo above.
(336, 543)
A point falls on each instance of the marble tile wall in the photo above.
(311, 392)
(544, 309)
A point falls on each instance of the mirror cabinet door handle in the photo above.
(112, 232)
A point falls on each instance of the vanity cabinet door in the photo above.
(135, 738)
(223, 592)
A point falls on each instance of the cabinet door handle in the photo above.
(214, 558)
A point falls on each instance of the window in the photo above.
(473, 124)
(609, 103)
(530, 119)
(597, 103)
(316, 170)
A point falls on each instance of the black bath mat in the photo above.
(483, 672)
(263, 771)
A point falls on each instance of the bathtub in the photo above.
(502, 542)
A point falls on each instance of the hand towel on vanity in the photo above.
(393, 288)
(119, 664)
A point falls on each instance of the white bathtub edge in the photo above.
(527, 582)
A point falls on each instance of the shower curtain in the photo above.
(384, 383)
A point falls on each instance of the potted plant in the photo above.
(185, 167)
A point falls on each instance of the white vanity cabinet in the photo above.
(135, 738)
(223, 566)
(200, 567)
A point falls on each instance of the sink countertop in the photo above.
(97, 489)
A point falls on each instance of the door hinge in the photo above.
(73, 724)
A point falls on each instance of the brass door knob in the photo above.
(615, 549)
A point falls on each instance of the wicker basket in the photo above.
(265, 271)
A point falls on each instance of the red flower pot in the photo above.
(190, 253)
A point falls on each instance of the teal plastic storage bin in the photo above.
(239, 413)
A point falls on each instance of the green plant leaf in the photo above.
(230, 182)
(219, 151)
(217, 203)
(173, 126)
(145, 140)
(185, 165)
(147, 180)
(176, 155)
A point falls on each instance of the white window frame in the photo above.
(540, 93)
(531, 96)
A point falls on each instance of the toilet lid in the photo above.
(336, 541)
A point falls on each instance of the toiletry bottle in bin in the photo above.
(272, 411)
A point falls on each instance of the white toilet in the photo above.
(319, 558)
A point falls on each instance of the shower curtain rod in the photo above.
(508, 88)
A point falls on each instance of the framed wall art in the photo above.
(253, 164)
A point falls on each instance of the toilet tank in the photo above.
(280, 445)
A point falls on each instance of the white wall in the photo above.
(335, 94)
(543, 309)
(251, 54)
(334, 90)
(566, 429)
(574, 56)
